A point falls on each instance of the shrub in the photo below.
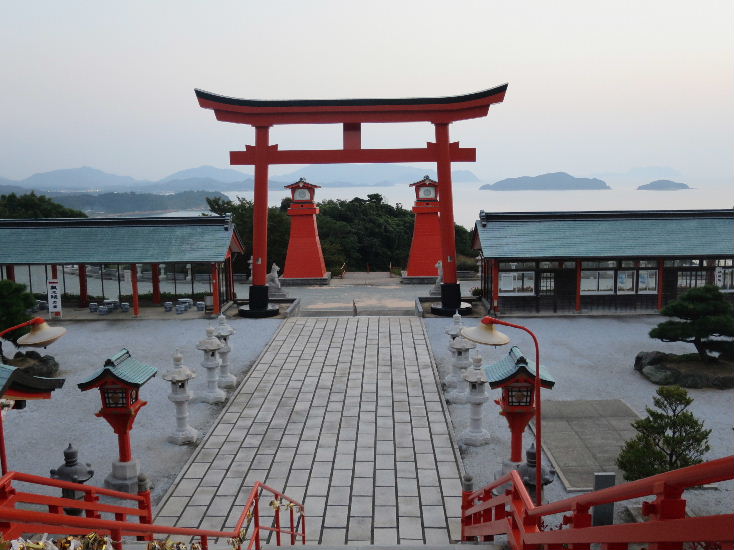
(668, 439)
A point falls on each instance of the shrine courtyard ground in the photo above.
(347, 412)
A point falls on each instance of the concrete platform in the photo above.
(344, 415)
(585, 436)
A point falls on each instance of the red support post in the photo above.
(578, 285)
(155, 279)
(146, 506)
(134, 283)
(123, 442)
(446, 202)
(83, 298)
(10, 272)
(55, 272)
(495, 286)
(215, 289)
(260, 213)
(661, 277)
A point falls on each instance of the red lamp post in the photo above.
(20, 386)
(119, 382)
(475, 334)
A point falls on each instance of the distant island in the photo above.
(663, 185)
(556, 181)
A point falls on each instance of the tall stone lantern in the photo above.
(180, 396)
(119, 382)
(223, 331)
(210, 346)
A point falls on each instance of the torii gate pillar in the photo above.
(351, 114)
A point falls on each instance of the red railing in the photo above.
(16, 522)
(513, 513)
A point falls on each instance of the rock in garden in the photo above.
(658, 374)
(645, 358)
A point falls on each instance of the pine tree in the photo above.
(705, 313)
(14, 303)
(668, 439)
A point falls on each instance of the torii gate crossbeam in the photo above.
(351, 113)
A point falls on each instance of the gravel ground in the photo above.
(590, 358)
(68, 417)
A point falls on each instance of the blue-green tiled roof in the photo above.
(20, 380)
(606, 234)
(125, 368)
(108, 240)
(510, 364)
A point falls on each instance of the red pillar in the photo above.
(661, 275)
(10, 272)
(55, 272)
(126, 450)
(83, 299)
(578, 285)
(495, 286)
(446, 201)
(134, 282)
(259, 289)
(155, 278)
(215, 289)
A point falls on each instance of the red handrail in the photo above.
(14, 522)
(513, 513)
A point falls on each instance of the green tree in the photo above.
(668, 439)
(705, 315)
(14, 304)
(34, 206)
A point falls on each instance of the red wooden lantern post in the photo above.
(304, 259)
(119, 382)
(516, 377)
(351, 114)
(425, 248)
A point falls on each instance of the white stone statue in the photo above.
(273, 281)
(439, 269)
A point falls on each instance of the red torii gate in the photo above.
(351, 113)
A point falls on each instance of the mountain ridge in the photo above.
(553, 181)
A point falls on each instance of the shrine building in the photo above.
(578, 262)
(203, 245)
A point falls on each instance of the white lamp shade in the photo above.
(485, 334)
(41, 335)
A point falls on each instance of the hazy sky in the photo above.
(594, 86)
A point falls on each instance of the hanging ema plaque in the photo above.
(54, 298)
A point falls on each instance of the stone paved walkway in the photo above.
(345, 415)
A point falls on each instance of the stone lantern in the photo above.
(180, 396)
(119, 382)
(515, 375)
(453, 331)
(210, 346)
(528, 474)
(223, 331)
(476, 379)
(72, 470)
(460, 347)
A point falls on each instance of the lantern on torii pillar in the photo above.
(515, 375)
(304, 259)
(425, 248)
(119, 382)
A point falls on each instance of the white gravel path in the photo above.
(590, 358)
(37, 435)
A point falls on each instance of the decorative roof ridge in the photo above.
(605, 214)
(226, 100)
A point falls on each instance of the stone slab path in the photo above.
(343, 414)
(582, 437)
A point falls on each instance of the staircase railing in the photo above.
(15, 522)
(512, 513)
